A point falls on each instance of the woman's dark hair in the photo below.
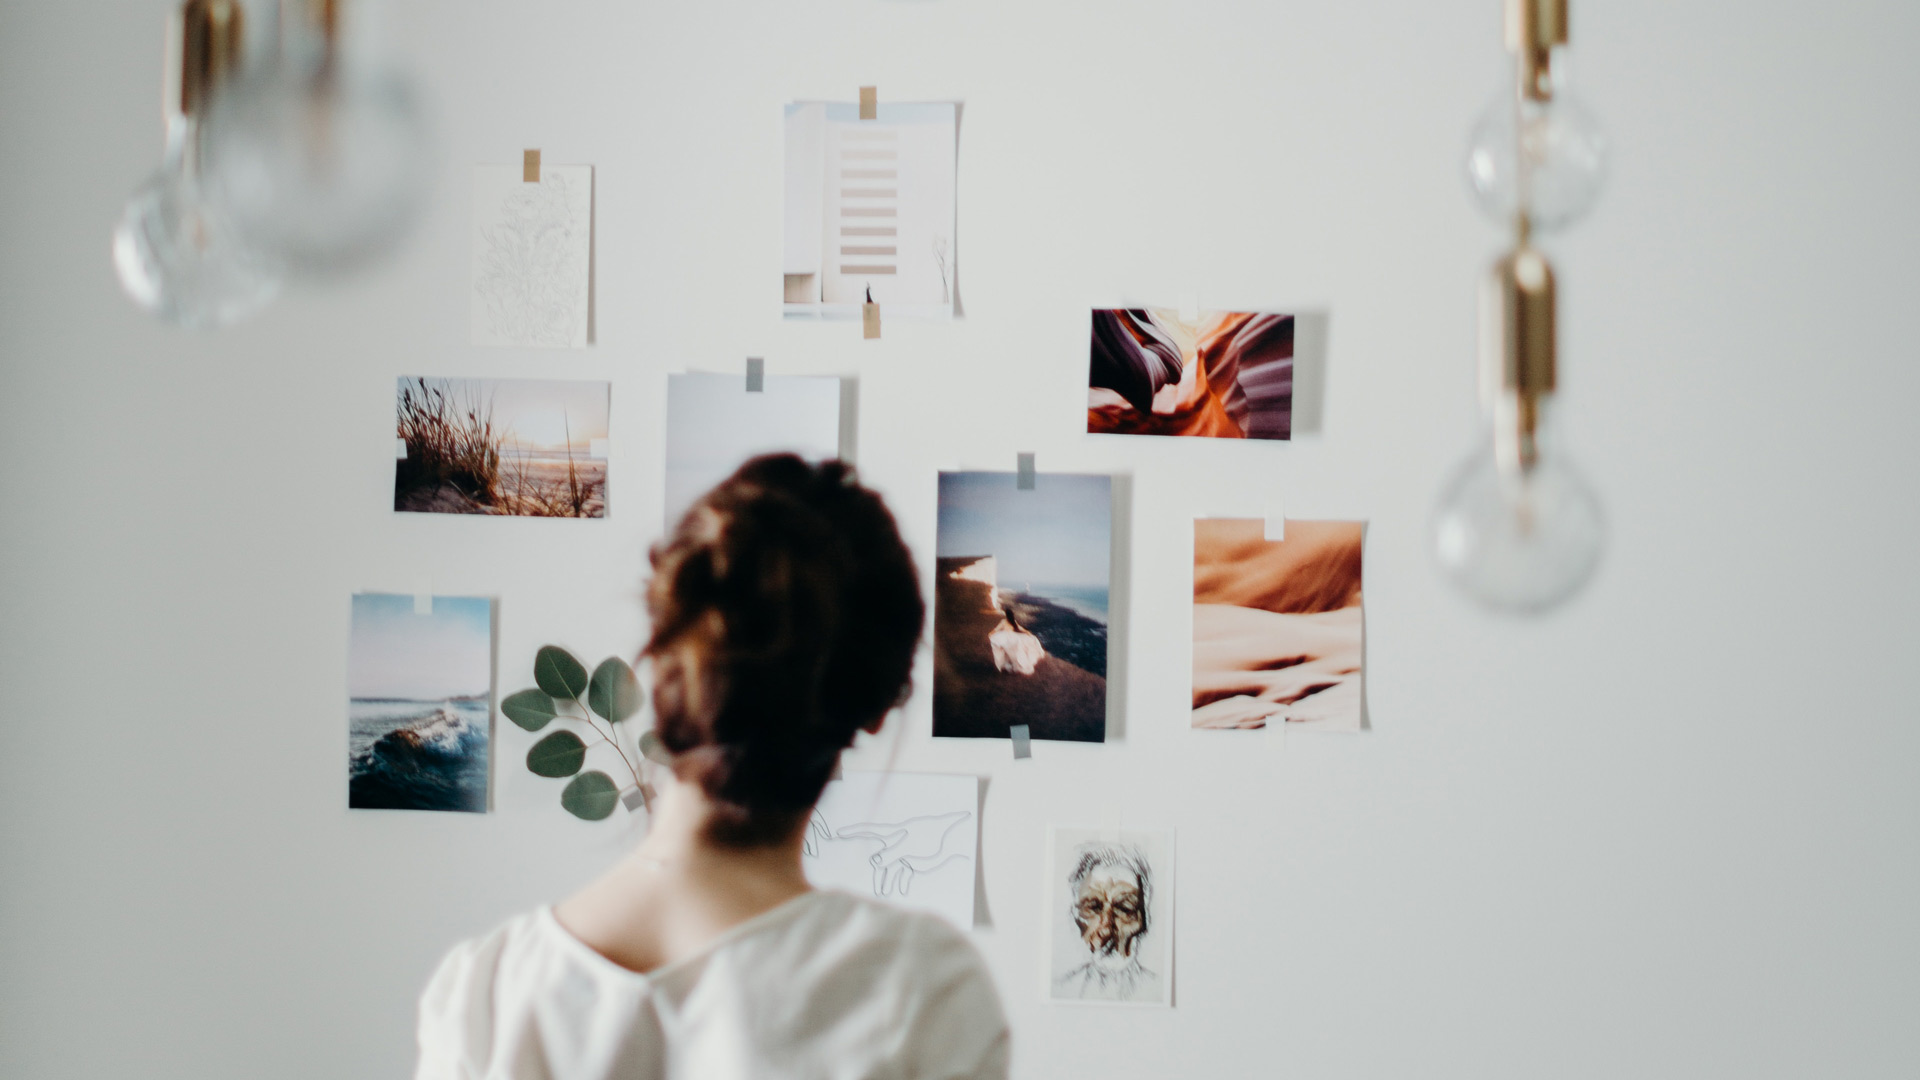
(786, 612)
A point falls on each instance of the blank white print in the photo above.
(532, 243)
(1110, 917)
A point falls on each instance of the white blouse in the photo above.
(824, 985)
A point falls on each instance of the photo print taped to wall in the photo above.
(903, 838)
(1278, 629)
(501, 447)
(419, 703)
(1110, 917)
(532, 250)
(1020, 606)
(870, 206)
(714, 424)
(1221, 374)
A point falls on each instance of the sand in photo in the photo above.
(1110, 917)
(1221, 374)
(512, 447)
(715, 424)
(1278, 632)
(419, 708)
(1020, 606)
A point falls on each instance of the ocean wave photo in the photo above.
(417, 755)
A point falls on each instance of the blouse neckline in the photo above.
(744, 928)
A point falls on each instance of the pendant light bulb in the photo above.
(178, 256)
(323, 158)
(1518, 528)
(1536, 152)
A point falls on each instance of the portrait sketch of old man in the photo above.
(1112, 924)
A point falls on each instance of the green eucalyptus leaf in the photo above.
(558, 673)
(559, 754)
(614, 693)
(590, 796)
(531, 709)
(654, 750)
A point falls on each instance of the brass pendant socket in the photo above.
(1534, 27)
(211, 37)
(1518, 351)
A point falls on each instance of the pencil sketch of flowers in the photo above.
(530, 269)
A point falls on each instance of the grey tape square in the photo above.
(756, 375)
(633, 800)
(1026, 472)
(1022, 740)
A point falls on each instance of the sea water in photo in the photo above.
(1069, 620)
(419, 693)
(418, 755)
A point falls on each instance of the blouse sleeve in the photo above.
(456, 1011)
(960, 1030)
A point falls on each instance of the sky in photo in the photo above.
(397, 654)
(1060, 533)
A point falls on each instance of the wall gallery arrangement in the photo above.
(1023, 561)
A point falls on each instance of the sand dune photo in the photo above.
(512, 447)
(1278, 632)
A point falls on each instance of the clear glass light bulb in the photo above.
(178, 256)
(323, 165)
(1547, 157)
(1519, 541)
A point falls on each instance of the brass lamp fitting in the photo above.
(210, 35)
(1518, 353)
(1534, 27)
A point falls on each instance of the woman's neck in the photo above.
(679, 843)
(678, 891)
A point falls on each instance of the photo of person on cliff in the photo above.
(1020, 606)
(1278, 631)
(1223, 375)
(420, 693)
(1112, 917)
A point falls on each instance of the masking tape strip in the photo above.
(756, 375)
(400, 449)
(1189, 308)
(869, 103)
(1025, 481)
(530, 167)
(1110, 826)
(1276, 526)
(633, 800)
(870, 320)
(423, 596)
(1022, 741)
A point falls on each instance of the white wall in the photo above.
(1672, 831)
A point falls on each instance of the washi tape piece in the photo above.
(400, 450)
(1189, 308)
(633, 800)
(1022, 740)
(423, 599)
(869, 103)
(756, 375)
(1025, 481)
(530, 167)
(870, 317)
(1276, 527)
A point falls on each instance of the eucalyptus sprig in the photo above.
(601, 702)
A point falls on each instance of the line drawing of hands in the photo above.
(914, 846)
(817, 830)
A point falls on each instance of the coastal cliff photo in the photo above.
(420, 691)
(1020, 606)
